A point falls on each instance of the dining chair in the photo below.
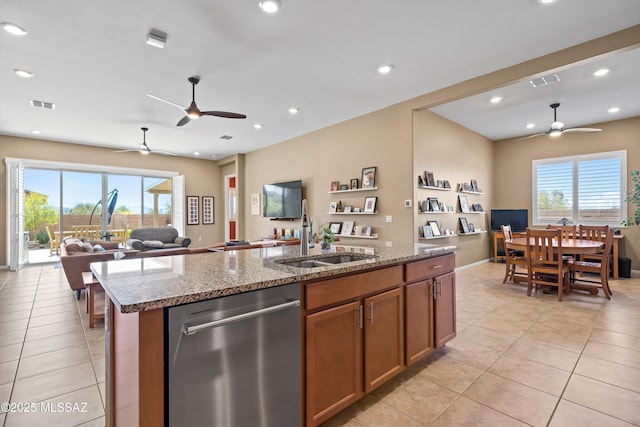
(600, 267)
(512, 258)
(596, 233)
(546, 266)
(568, 231)
(54, 244)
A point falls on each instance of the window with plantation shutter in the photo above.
(585, 189)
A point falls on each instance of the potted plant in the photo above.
(327, 239)
(106, 236)
(634, 198)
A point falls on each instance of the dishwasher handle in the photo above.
(188, 329)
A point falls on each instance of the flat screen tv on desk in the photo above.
(518, 219)
(282, 200)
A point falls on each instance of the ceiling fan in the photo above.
(557, 128)
(193, 112)
(144, 148)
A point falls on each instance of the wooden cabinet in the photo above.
(355, 346)
(430, 317)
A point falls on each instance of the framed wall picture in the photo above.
(354, 183)
(335, 185)
(433, 204)
(464, 225)
(193, 210)
(333, 206)
(464, 203)
(427, 231)
(369, 177)
(347, 228)
(347, 209)
(335, 227)
(435, 228)
(255, 204)
(208, 216)
(370, 204)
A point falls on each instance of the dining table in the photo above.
(569, 247)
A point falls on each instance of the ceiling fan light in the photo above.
(614, 110)
(555, 132)
(269, 6)
(193, 116)
(23, 73)
(14, 29)
(495, 99)
(601, 72)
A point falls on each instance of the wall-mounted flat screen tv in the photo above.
(518, 219)
(282, 200)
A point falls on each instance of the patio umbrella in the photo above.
(112, 197)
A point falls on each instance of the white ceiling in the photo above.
(91, 60)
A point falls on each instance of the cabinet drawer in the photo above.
(333, 291)
(429, 267)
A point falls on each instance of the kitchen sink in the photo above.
(323, 261)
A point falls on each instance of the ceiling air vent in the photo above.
(226, 137)
(42, 104)
(544, 80)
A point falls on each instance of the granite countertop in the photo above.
(142, 284)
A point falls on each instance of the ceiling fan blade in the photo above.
(225, 114)
(582, 130)
(531, 136)
(184, 121)
(124, 151)
(164, 153)
(167, 102)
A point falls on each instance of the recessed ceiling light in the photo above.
(14, 29)
(23, 73)
(258, 126)
(35, 132)
(156, 39)
(196, 153)
(385, 69)
(601, 72)
(613, 110)
(531, 125)
(269, 6)
(545, 1)
(294, 110)
(495, 99)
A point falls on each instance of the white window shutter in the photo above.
(178, 202)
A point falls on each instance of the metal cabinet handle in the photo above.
(437, 266)
(371, 312)
(433, 289)
(188, 329)
(440, 287)
(361, 316)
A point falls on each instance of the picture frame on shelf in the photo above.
(474, 186)
(422, 181)
(347, 228)
(472, 229)
(335, 185)
(354, 183)
(367, 230)
(424, 206)
(335, 227)
(208, 216)
(464, 203)
(477, 207)
(344, 187)
(464, 225)
(434, 206)
(430, 179)
(427, 231)
(440, 183)
(435, 228)
(333, 206)
(447, 184)
(369, 177)
(347, 209)
(356, 210)
(370, 204)
(193, 210)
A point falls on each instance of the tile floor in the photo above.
(517, 360)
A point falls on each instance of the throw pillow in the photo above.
(153, 244)
(86, 247)
(72, 245)
(98, 248)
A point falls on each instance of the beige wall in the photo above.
(458, 155)
(513, 176)
(202, 177)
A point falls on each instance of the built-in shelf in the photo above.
(470, 192)
(444, 236)
(429, 187)
(435, 212)
(353, 190)
(353, 236)
(352, 213)
(472, 212)
(472, 232)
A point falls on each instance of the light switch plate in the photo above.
(389, 218)
(407, 203)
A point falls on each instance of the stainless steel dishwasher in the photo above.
(235, 361)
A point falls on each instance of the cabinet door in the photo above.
(418, 320)
(334, 361)
(445, 308)
(383, 338)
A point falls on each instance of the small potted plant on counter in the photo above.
(327, 239)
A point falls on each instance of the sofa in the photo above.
(146, 239)
(76, 256)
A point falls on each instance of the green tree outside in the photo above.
(552, 200)
(37, 212)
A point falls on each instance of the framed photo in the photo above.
(464, 225)
(347, 209)
(335, 185)
(422, 181)
(347, 228)
(424, 206)
(367, 230)
(370, 204)
(471, 228)
(440, 183)
(208, 216)
(427, 231)
(435, 228)
(354, 183)
(193, 210)
(369, 177)
(434, 206)
(431, 182)
(477, 207)
(474, 186)
(344, 187)
(333, 206)
(255, 204)
(446, 184)
(464, 203)
(335, 227)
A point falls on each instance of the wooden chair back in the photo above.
(594, 232)
(568, 231)
(506, 232)
(54, 244)
(545, 263)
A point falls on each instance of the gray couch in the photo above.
(145, 239)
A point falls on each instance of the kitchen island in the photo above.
(141, 291)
